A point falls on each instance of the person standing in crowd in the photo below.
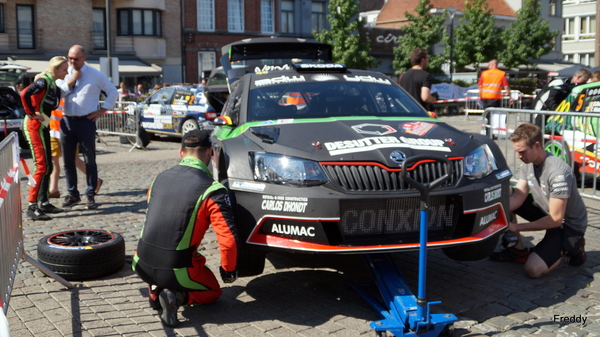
(140, 90)
(416, 80)
(491, 82)
(39, 99)
(57, 115)
(156, 87)
(558, 93)
(123, 92)
(182, 202)
(595, 76)
(84, 85)
(554, 205)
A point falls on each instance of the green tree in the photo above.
(477, 39)
(423, 31)
(528, 38)
(344, 35)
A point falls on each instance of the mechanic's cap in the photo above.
(203, 138)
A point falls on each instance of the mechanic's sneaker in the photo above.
(580, 257)
(71, 201)
(170, 301)
(153, 300)
(511, 255)
(49, 208)
(35, 213)
(91, 203)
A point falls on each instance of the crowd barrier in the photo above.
(11, 230)
(11, 236)
(571, 136)
(123, 121)
(473, 103)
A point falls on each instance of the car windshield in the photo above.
(330, 99)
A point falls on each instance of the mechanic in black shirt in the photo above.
(416, 80)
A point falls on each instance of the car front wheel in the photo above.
(188, 126)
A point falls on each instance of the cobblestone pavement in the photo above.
(298, 295)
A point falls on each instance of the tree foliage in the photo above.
(423, 31)
(477, 39)
(528, 38)
(344, 36)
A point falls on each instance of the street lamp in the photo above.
(451, 10)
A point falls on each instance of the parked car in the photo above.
(314, 155)
(174, 111)
(11, 107)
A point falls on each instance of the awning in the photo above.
(126, 67)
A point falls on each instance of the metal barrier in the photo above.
(11, 226)
(473, 104)
(11, 235)
(568, 135)
(124, 122)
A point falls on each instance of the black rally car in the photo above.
(313, 155)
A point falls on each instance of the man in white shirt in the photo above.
(83, 86)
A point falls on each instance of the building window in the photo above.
(569, 33)
(1, 18)
(206, 62)
(552, 8)
(139, 22)
(25, 31)
(235, 15)
(588, 28)
(206, 15)
(99, 28)
(586, 60)
(287, 16)
(318, 16)
(266, 16)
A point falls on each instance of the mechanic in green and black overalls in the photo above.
(182, 202)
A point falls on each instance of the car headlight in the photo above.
(279, 169)
(480, 163)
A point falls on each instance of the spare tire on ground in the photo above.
(82, 254)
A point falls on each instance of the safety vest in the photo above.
(491, 87)
(55, 118)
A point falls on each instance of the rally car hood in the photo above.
(384, 141)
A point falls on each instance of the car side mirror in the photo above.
(223, 121)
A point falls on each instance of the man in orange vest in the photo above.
(491, 82)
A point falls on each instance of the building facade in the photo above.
(208, 25)
(579, 33)
(135, 32)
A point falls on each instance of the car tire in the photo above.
(82, 254)
(558, 149)
(250, 261)
(189, 125)
(144, 138)
(474, 251)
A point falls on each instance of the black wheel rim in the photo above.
(80, 238)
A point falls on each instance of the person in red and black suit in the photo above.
(39, 99)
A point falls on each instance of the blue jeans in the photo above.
(82, 132)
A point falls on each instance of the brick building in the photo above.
(32, 31)
(208, 25)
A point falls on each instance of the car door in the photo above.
(156, 114)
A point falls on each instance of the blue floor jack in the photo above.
(403, 314)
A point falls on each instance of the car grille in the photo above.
(394, 218)
(359, 177)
